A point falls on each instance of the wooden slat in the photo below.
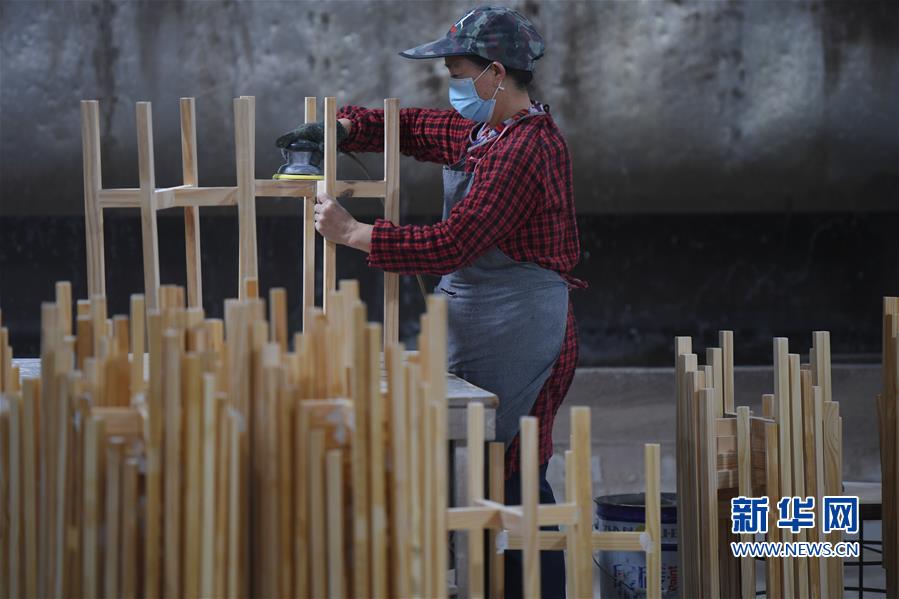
(685, 364)
(130, 507)
(187, 196)
(93, 184)
(280, 188)
(399, 472)
(530, 498)
(377, 465)
(155, 456)
(509, 515)
(496, 492)
(68, 385)
(744, 470)
(222, 505)
(113, 520)
(336, 586)
(238, 583)
(192, 402)
(894, 424)
(716, 363)
(570, 546)
(31, 398)
(820, 488)
(726, 427)
(600, 541)
(64, 304)
(172, 392)
(245, 146)
(773, 568)
(138, 334)
(147, 174)
(833, 480)
(436, 367)
(798, 460)
(889, 441)
(580, 444)
(473, 518)
(94, 442)
(119, 198)
(121, 422)
(784, 450)
(708, 492)
(392, 214)
(475, 492)
(285, 490)
(653, 520)
(361, 389)
(11, 458)
(329, 186)
(317, 510)
(277, 300)
(726, 341)
(308, 205)
(209, 501)
(190, 176)
(694, 381)
(414, 499)
(365, 189)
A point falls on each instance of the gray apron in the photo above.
(506, 319)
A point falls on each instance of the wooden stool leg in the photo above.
(93, 183)
(191, 213)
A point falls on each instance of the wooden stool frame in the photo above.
(191, 197)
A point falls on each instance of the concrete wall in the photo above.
(667, 106)
(736, 163)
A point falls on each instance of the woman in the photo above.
(508, 238)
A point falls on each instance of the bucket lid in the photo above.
(630, 507)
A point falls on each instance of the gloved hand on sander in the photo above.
(304, 149)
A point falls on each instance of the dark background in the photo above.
(736, 163)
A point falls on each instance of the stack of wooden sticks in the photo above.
(793, 449)
(236, 467)
(222, 464)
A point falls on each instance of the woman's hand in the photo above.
(335, 224)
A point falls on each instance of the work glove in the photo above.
(314, 132)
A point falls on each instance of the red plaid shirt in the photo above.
(521, 201)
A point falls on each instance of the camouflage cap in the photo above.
(492, 32)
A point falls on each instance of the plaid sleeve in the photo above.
(426, 134)
(505, 192)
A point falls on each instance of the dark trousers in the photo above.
(552, 563)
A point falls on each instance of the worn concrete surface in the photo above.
(667, 106)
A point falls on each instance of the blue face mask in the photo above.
(465, 99)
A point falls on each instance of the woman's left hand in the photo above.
(332, 220)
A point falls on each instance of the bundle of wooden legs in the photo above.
(888, 419)
(227, 465)
(793, 449)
